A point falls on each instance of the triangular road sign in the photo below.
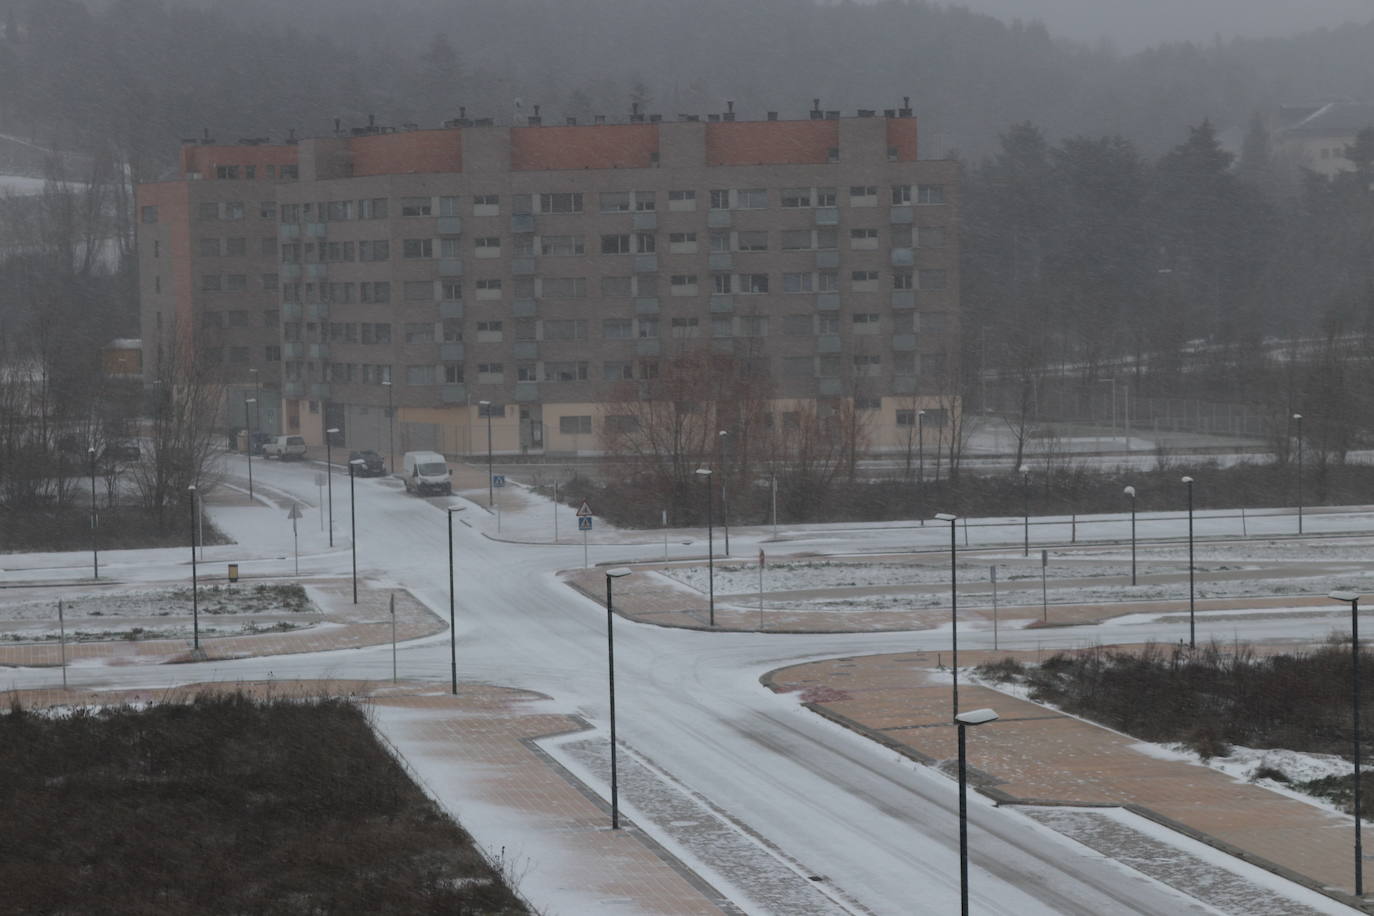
(585, 511)
(295, 512)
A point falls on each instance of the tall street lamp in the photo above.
(953, 601)
(353, 520)
(1192, 591)
(921, 464)
(705, 475)
(1025, 508)
(1130, 492)
(195, 591)
(390, 424)
(724, 504)
(452, 615)
(973, 717)
(95, 543)
(485, 406)
(254, 403)
(329, 475)
(1297, 418)
(610, 664)
(1353, 599)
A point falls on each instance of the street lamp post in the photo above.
(953, 602)
(610, 666)
(195, 591)
(1130, 492)
(705, 474)
(1297, 418)
(353, 521)
(95, 542)
(329, 475)
(1192, 591)
(1025, 509)
(1353, 599)
(491, 492)
(974, 717)
(921, 465)
(254, 402)
(724, 503)
(452, 600)
(390, 425)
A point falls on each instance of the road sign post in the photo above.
(584, 523)
(1044, 589)
(294, 514)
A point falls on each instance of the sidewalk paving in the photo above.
(1036, 756)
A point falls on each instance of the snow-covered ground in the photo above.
(883, 834)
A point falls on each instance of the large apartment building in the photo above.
(385, 283)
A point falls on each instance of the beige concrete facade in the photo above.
(542, 269)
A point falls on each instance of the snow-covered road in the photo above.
(882, 832)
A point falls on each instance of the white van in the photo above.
(427, 473)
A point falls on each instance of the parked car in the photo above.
(373, 465)
(258, 440)
(284, 447)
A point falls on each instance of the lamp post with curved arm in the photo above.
(705, 474)
(1192, 590)
(1130, 492)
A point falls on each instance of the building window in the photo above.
(490, 331)
(575, 426)
(720, 200)
(453, 373)
(798, 283)
(751, 199)
(417, 206)
(645, 201)
(648, 327)
(565, 372)
(418, 332)
(827, 281)
(720, 241)
(828, 323)
(863, 280)
(557, 246)
(796, 197)
(685, 326)
(617, 287)
(419, 375)
(615, 244)
(865, 322)
(796, 239)
(863, 195)
(683, 285)
(682, 200)
(417, 248)
(722, 284)
(372, 208)
(646, 242)
(615, 201)
(562, 202)
(753, 326)
(491, 374)
(753, 283)
(682, 243)
(930, 194)
(825, 197)
(902, 279)
(863, 238)
(272, 353)
(648, 369)
(827, 239)
(486, 205)
(564, 287)
(722, 326)
(452, 290)
(375, 250)
(617, 328)
(867, 364)
(488, 246)
(448, 206)
(752, 241)
(565, 329)
(235, 283)
(901, 194)
(226, 171)
(376, 292)
(617, 371)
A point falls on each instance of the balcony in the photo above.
(290, 273)
(293, 349)
(722, 303)
(319, 391)
(316, 271)
(451, 308)
(827, 216)
(451, 351)
(902, 257)
(522, 222)
(293, 389)
(522, 267)
(646, 220)
(828, 343)
(289, 231)
(525, 349)
(318, 350)
(646, 305)
(721, 260)
(647, 346)
(450, 267)
(900, 216)
(524, 308)
(317, 230)
(903, 298)
(718, 219)
(291, 311)
(904, 342)
(453, 394)
(829, 387)
(317, 311)
(827, 302)
(646, 263)
(828, 259)
(449, 225)
(525, 392)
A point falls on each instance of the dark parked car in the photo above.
(373, 466)
(258, 440)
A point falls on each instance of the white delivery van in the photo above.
(427, 473)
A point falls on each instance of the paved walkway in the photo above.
(1036, 756)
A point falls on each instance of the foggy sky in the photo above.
(1133, 24)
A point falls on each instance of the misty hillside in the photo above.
(138, 75)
